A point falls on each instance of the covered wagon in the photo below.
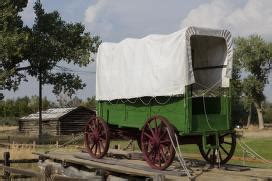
(152, 88)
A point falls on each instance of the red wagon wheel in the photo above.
(156, 144)
(96, 137)
(227, 145)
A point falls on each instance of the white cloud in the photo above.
(119, 19)
(255, 16)
(92, 11)
(28, 14)
(92, 21)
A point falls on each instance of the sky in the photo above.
(115, 20)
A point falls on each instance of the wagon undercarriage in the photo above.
(156, 141)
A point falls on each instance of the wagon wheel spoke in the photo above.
(160, 128)
(149, 136)
(209, 150)
(164, 134)
(162, 154)
(102, 144)
(151, 152)
(151, 129)
(224, 135)
(159, 158)
(99, 149)
(92, 146)
(228, 143)
(156, 126)
(220, 156)
(95, 122)
(165, 141)
(102, 133)
(95, 149)
(154, 156)
(224, 149)
(90, 127)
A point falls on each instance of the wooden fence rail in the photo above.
(26, 173)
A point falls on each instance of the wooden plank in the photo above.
(65, 178)
(116, 166)
(235, 168)
(22, 161)
(112, 161)
(21, 171)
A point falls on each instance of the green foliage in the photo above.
(50, 43)
(268, 113)
(13, 38)
(55, 41)
(255, 57)
(90, 102)
(22, 106)
(252, 58)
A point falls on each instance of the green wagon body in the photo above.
(185, 113)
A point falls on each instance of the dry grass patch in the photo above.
(20, 151)
(8, 128)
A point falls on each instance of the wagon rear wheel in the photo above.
(156, 144)
(96, 137)
(227, 145)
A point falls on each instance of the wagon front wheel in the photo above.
(96, 137)
(227, 145)
(156, 145)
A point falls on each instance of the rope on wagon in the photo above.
(146, 104)
(249, 151)
(204, 104)
(179, 154)
(169, 98)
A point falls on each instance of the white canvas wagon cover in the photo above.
(161, 65)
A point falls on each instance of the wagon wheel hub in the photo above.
(95, 136)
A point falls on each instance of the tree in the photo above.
(13, 39)
(236, 92)
(48, 44)
(52, 41)
(255, 57)
(90, 102)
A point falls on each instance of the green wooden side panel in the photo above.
(186, 114)
(135, 112)
(174, 111)
(216, 117)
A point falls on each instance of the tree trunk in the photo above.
(249, 116)
(260, 115)
(40, 108)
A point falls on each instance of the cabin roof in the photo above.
(52, 114)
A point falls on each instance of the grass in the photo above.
(20, 151)
(262, 146)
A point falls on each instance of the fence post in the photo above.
(6, 157)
